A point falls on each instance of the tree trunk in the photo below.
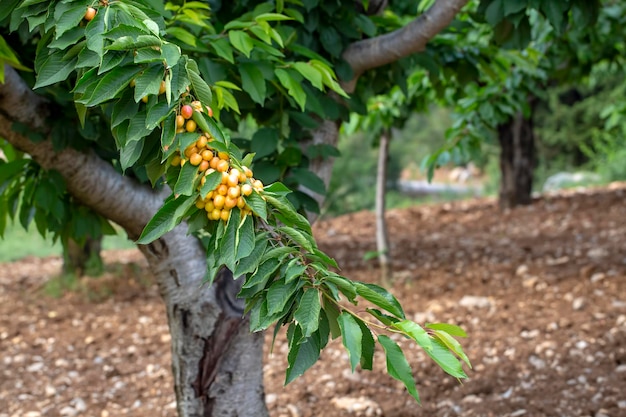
(517, 161)
(327, 133)
(83, 257)
(216, 361)
(382, 238)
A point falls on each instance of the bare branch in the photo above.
(90, 179)
(385, 49)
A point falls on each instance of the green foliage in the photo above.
(580, 127)
(131, 69)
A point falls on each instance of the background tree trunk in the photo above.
(517, 161)
(382, 238)
(327, 133)
(83, 257)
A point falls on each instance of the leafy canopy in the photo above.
(131, 71)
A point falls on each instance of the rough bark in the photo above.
(517, 162)
(382, 236)
(384, 49)
(215, 359)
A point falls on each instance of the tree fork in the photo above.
(177, 261)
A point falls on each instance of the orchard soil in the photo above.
(540, 290)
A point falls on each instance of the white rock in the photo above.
(471, 301)
(50, 391)
(270, 399)
(537, 362)
(597, 277)
(35, 367)
(621, 368)
(32, 414)
(597, 253)
(68, 411)
(521, 270)
(581, 344)
(472, 399)
(79, 404)
(578, 303)
(293, 410)
(360, 406)
(518, 413)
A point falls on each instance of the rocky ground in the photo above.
(540, 290)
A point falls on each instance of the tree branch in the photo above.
(89, 178)
(384, 49)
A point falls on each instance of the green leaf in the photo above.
(111, 60)
(368, 346)
(380, 297)
(385, 319)
(137, 129)
(245, 236)
(494, 13)
(351, 336)
(250, 262)
(257, 204)
(156, 114)
(310, 73)
(165, 219)
(453, 345)
(212, 181)
(446, 359)
(294, 270)
(260, 33)
(148, 82)
(228, 244)
(128, 43)
(293, 87)
(259, 279)
(71, 37)
(271, 17)
(278, 295)
(297, 237)
(309, 179)
(323, 257)
(223, 49)
(200, 87)
(110, 85)
(253, 82)
(54, 69)
(67, 17)
(345, 285)
(397, 365)
(130, 153)
(168, 134)
(241, 41)
(302, 355)
(415, 332)
(448, 328)
(148, 55)
(182, 35)
(264, 142)
(332, 314)
(308, 312)
(186, 183)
